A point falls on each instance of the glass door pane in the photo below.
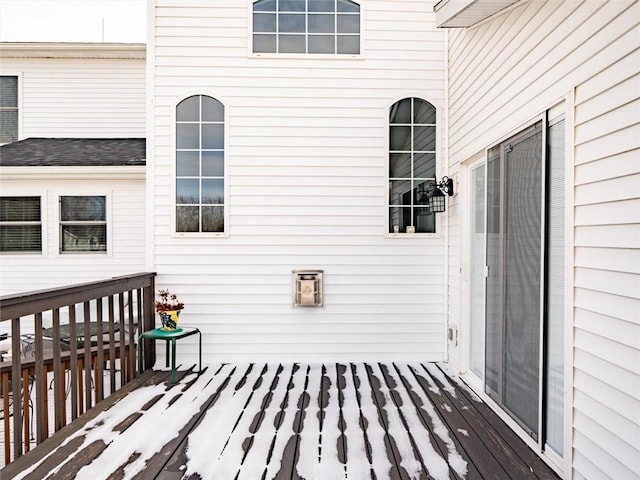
(555, 289)
(476, 271)
(522, 270)
(493, 305)
(514, 256)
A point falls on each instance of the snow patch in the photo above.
(436, 373)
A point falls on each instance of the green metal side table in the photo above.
(169, 336)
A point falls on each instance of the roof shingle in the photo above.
(73, 152)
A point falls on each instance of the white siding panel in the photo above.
(624, 308)
(614, 259)
(507, 72)
(590, 461)
(618, 165)
(617, 283)
(617, 212)
(612, 421)
(609, 236)
(92, 98)
(306, 139)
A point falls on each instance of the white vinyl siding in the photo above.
(306, 140)
(80, 97)
(126, 218)
(504, 73)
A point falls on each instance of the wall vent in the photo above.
(308, 288)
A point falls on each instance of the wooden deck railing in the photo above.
(69, 347)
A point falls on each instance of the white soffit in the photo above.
(136, 51)
(465, 13)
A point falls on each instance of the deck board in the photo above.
(286, 422)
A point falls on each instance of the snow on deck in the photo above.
(294, 421)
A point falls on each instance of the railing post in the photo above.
(16, 376)
(148, 323)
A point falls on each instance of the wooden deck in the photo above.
(324, 422)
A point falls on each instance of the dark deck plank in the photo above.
(286, 422)
(422, 405)
(466, 438)
(52, 444)
(510, 448)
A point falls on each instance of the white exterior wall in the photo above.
(507, 71)
(125, 195)
(79, 97)
(306, 145)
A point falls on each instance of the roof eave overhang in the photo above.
(134, 51)
(117, 172)
(466, 13)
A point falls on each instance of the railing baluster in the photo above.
(99, 369)
(73, 349)
(16, 371)
(26, 416)
(58, 375)
(80, 385)
(131, 357)
(137, 329)
(112, 348)
(40, 390)
(123, 362)
(6, 423)
(45, 406)
(87, 355)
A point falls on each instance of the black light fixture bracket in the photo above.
(446, 185)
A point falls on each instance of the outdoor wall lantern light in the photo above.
(436, 199)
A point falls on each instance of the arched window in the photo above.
(306, 26)
(200, 165)
(412, 165)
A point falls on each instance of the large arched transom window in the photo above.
(412, 165)
(200, 165)
(306, 26)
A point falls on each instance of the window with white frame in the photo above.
(20, 225)
(200, 165)
(306, 26)
(8, 109)
(412, 166)
(83, 224)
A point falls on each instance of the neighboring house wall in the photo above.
(78, 90)
(507, 71)
(125, 209)
(306, 140)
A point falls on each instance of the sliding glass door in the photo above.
(516, 278)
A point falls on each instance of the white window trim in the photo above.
(108, 216)
(12, 73)
(173, 164)
(43, 224)
(440, 222)
(308, 56)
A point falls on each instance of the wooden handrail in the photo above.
(75, 373)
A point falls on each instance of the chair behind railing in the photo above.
(70, 347)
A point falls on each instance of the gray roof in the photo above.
(73, 152)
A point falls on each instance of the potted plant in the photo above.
(168, 307)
